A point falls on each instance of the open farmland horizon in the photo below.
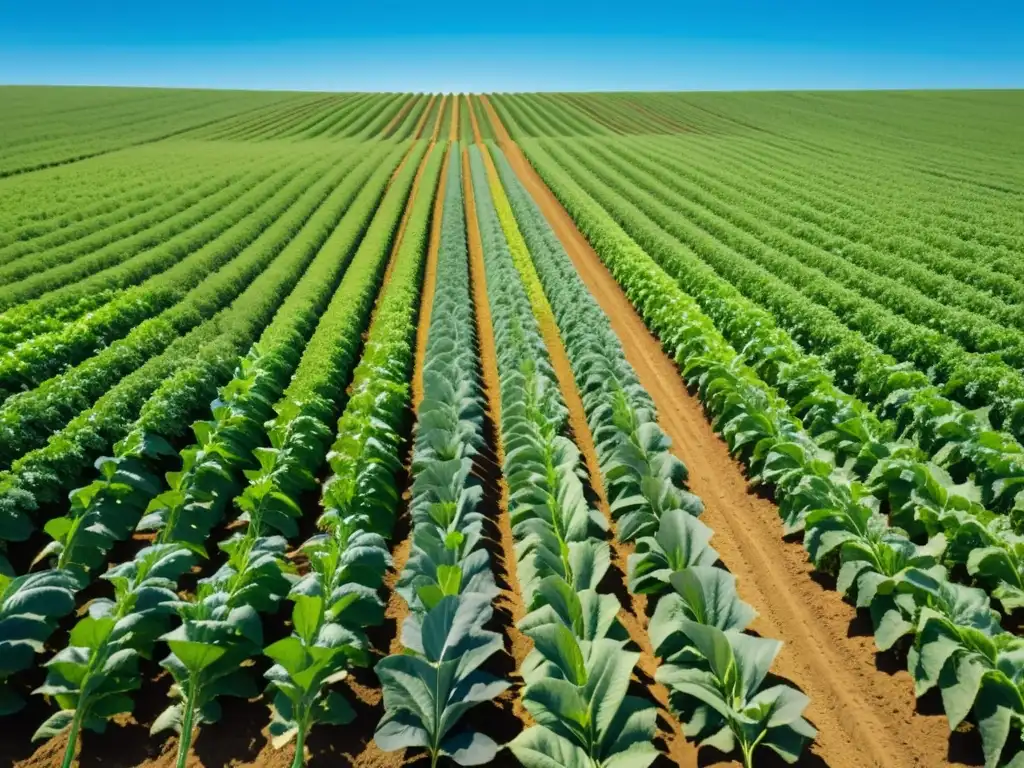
(578, 429)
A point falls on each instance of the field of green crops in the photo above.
(555, 430)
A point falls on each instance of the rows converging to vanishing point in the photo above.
(579, 430)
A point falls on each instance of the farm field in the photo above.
(583, 430)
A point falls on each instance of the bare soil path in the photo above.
(863, 706)
(418, 130)
(477, 138)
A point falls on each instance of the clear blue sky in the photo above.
(516, 45)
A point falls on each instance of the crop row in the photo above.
(29, 418)
(76, 291)
(149, 233)
(337, 597)
(952, 633)
(278, 123)
(808, 198)
(447, 581)
(54, 225)
(977, 381)
(37, 478)
(938, 203)
(36, 360)
(577, 674)
(975, 318)
(184, 514)
(922, 499)
(175, 198)
(702, 646)
(851, 154)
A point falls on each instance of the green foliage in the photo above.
(430, 686)
(891, 577)
(447, 580)
(338, 598)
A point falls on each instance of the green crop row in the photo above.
(338, 598)
(922, 498)
(956, 643)
(29, 418)
(578, 671)
(196, 497)
(645, 485)
(38, 359)
(447, 582)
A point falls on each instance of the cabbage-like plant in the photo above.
(978, 667)
(578, 697)
(715, 672)
(429, 687)
(681, 541)
(588, 614)
(220, 632)
(332, 603)
(879, 565)
(727, 707)
(106, 510)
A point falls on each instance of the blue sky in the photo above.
(518, 45)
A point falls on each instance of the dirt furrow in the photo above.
(865, 711)
(397, 609)
(453, 129)
(438, 120)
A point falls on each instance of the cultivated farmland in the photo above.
(556, 430)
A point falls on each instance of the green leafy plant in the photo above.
(577, 696)
(91, 679)
(432, 684)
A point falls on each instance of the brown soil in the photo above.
(429, 284)
(633, 613)
(861, 702)
(509, 602)
(453, 128)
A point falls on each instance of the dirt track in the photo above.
(864, 711)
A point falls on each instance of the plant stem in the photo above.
(69, 753)
(300, 748)
(186, 729)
